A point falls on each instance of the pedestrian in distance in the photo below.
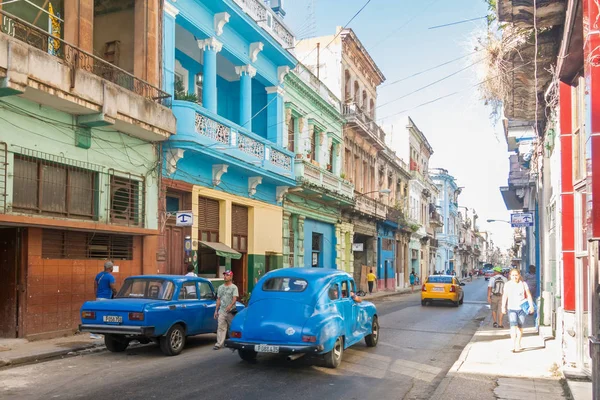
(191, 270)
(227, 295)
(495, 292)
(371, 278)
(531, 279)
(518, 302)
(412, 278)
(104, 287)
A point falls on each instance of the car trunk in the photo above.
(271, 322)
(115, 308)
(438, 287)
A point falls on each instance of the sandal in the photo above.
(495, 325)
(501, 326)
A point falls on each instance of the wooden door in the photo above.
(175, 250)
(8, 282)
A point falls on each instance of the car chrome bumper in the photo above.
(283, 349)
(118, 329)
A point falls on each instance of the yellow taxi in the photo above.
(442, 288)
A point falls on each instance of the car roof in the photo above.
(175, 278)
(445, 275)
(307, 273)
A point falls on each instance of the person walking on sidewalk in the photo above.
(495, 291)
(371, 278)
(518, 302)
(412, 279)
(227, 295)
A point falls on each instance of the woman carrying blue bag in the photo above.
(518, 302)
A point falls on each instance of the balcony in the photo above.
(453, 208)
(366, 205)
(47, 70)
(357, 118)
(314, 177)
(451, 240)
(435, 220)
(520, 13)
(319, 87)
(201, 130)
(269, 21)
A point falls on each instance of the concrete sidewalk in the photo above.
(21, 351)
(488, 369)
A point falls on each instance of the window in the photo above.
(73, 245)
(199, 81)
(285, 285)
(578, 118)
(292, 135)
(50, 188)
(239, 228)
(208, 220)
(206, 292)
(317, 245)
(439, 279)
(172, 204)
(334, 292)
(331, 153)
(141, 288)
(188, 291)
(345, 289)
(126, 201)
(348, 167)
(292, 242)
(387, 244)
(314, 144)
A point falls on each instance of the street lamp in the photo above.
(498, 220)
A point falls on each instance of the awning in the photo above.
(221, 249)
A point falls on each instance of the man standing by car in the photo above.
(227, 295)
(495, 291)
(104, 283)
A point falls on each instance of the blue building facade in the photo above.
(447, 205)
(225, 62)
(386, 250)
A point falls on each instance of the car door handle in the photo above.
(172, 307)
(204, 305)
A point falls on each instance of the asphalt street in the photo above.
(417, 346)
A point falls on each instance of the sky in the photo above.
(465, 140)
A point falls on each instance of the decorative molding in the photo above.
(275, 89)
(246, 69)
(295, 82)
(253, 182)
(211, 44)
(220, 20)
(282, 72)
(217, 172)
(173, 157)
(170, 9)
(255, 48)
(280, 192)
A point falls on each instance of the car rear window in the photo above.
(440, 279)
(285, 285)
(143, 288)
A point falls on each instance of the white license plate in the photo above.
(112, 318)
(438, 289)
(265, 348)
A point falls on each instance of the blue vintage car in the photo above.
(299, 311)
(161, 308)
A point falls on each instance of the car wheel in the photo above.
(423, 302)
(115, 344)
(334, 358)
(455, 303)
(248, 355)
(372, 339)
(461, 300)
(173, 342)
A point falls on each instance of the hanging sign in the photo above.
(184, 219)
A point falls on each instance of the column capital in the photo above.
(247, 70)
(170, 9)
(275, 89)
(210, 44)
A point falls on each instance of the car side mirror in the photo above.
(461, 284)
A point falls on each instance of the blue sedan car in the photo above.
(298, 311)
(161, 308)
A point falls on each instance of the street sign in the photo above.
(521, 220)
(184, 219)
(357, 247)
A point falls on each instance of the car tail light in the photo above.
(309, 339)
(88, 314)
(452, 288)
(424, 288)
(136, 316)
(236, 334)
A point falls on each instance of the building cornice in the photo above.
(294, 81)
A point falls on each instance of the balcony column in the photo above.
(246, 73)
(275, 113)
(169, 47)
(210, 47)
(79, 23)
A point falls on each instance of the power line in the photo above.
(458, 22)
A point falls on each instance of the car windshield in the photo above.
(285, 285)
(159, 289)
(440, 279)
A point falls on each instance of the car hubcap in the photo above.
(337, 349)
(176, 339)
(375, 331)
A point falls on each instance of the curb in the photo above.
(390, 294)
(49, 355)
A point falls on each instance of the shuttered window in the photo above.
(72, 245)
(292, 135)
(208, 219)
(239, 228)
(126, 201)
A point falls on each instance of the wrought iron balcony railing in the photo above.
(354, 114)
(78, 59)
(269, 21)
(322, 178)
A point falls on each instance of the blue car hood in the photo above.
(125, 304)
(276, 320)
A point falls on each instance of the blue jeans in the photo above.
(516, 317)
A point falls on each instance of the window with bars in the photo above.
(126, 201)
(208, 219)
(72, 245)
(387, 244)
(239, 228)
(51, 188)
(292, 135)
